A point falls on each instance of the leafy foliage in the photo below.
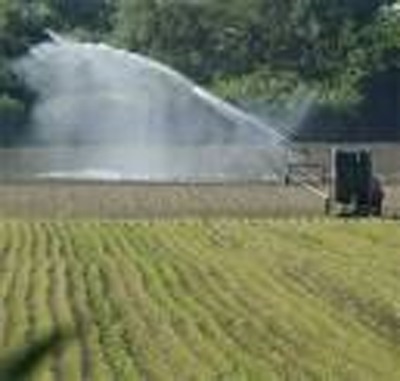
(255, 49)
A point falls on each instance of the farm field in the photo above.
(141, 200)
(205, 299)
(91, 199)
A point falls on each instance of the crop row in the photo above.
(225, 299)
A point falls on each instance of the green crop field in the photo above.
(198, 299)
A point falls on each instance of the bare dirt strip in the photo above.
(44, 199)
(55, 199)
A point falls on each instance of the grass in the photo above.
(198, 299)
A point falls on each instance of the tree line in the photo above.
(344, 55)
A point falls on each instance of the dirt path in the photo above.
(147, 200)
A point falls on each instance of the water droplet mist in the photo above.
(125, 116)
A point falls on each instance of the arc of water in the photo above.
(74, 93)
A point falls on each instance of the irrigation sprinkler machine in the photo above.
(354, 188)
(350, 188)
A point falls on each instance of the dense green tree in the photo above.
(134, 24)
(89, 14)
(344, 54)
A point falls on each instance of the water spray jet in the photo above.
(127, 114)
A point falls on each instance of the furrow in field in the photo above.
(252, 273)
(182, 356)
(372, 241)
(128, 314)
(118, 350)
(139, 316)
(208, 321)
(66, 360)
(371, 294)
(205, 299)
(248, 318)
(157, 281)
(93, 361)
(17, 326)
(40, 317)
(30, 297)
(8, 271)
(372, 301)
(296, 255)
